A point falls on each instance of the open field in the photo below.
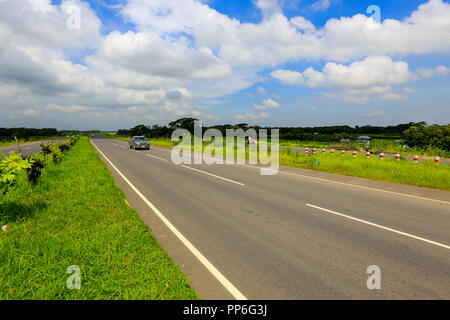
(424, 174)
(76, 215)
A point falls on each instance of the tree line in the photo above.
(414, 133)
(7, 134)
(26, 133)
(423, 137)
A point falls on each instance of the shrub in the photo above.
(9, 169)
(64, 147)
(56, 156)
(34, 170)
(432, 136)
(46, 149)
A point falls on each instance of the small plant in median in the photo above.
(10, 167)
(56, 156)
(34, 170)
(64, 147)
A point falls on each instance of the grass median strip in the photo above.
(76, 215)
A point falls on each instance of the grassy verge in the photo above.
(7, 143)
(76, 215)
(424, 174)
(376, 145)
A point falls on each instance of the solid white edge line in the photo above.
(213, 175)
(208, 265)
(150, 155)
(381, 227)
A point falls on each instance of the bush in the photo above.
(9, 169)
(46, 149)
(56, 156)
(64, 147)
(34, 170)
(432, 136)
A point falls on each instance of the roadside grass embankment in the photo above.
(376, 146)
(424, 174)
(76, 216)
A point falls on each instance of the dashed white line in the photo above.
(344, 183)
(208, 265)
(381, 227)
(213, 175)
(150, 155)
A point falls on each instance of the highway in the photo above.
(295, 235)
(27, 148)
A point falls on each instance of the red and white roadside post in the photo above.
(368, 154)
(323, 151)
(436, 160)
(397, 156)
(354, 154)
(314, 151)
(332, 152)
(343, 152)
(416, 159)
(306, 151)
(381, 156)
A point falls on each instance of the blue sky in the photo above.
(267, 62)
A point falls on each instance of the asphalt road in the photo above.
(295, 235)
(28, 148)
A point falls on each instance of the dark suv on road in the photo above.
(139, 142)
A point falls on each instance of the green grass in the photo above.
(424, 173)
(76, 215)
(6, 143)
(384, 145)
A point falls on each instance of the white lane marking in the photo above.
(150, 155)
(381, 227)
(219, 177)
(367, 188)
(116, 145)
(208, 265)
(342, 183)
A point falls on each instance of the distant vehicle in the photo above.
(139, 142)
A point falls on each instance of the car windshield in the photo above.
(140, 139)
